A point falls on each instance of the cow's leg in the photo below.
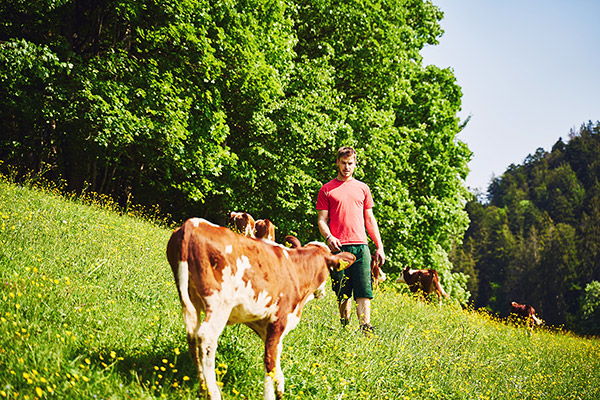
(192, 316)
(274, 380)
(439, 297)
(206, 340)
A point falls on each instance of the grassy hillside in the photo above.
(88, 309)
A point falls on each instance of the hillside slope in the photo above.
(88, 309)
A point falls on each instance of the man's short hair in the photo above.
(345, 151)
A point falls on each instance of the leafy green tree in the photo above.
(205, 107)
(590, 309)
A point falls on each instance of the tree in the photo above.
(205, 107)
(590, 309)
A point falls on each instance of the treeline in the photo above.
(537, 237)
(204, 107)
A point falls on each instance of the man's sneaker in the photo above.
(344, 322)
(367, 329)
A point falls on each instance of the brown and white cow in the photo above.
(242, 223)
(426, 280)
(234, 279)
(525, 311)
(377, 275)
(264, 229)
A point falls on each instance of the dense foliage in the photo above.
(537, 239)
(206, 107)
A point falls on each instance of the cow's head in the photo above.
(334, 262)
(292, 241)
(404, 275)
(242, 223)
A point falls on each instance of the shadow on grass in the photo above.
(163, 371)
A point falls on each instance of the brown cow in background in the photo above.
(264, 229)
(377, 275)
(426, 280)
(242, 223)
(526, 312)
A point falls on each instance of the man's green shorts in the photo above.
(356, 279)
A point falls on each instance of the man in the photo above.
(345, 208)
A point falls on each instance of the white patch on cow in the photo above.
(197, 221)
(269, 391)
(320, 244)
(228, 249)
(239, 299)
(382, 275)
(293, 319)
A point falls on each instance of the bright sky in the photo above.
(529, 72)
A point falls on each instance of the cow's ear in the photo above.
(340, 261)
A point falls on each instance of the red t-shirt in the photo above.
(346, 202)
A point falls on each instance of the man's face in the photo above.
(346, 167)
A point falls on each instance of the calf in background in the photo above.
(242, 223)
(526, 312)
(377, 275)
(426, 280)
(264, 229)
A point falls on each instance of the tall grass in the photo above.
(89, 310)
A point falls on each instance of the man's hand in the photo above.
(334, 244)
(380, 256)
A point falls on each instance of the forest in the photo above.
(535, 237)
(202, 107)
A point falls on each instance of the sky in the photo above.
(529, 72)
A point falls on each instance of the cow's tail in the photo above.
(177, 248)
(438, 286)
(536, 319)
(178, 256)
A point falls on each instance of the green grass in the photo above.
(89, 310)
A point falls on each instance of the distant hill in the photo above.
(537, 237)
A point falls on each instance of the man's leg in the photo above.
(363, 310)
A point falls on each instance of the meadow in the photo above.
(89, 310)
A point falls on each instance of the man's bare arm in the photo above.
(333, 242)
(373, 230)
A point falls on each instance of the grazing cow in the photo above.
(234, 279)
(426, 280)
(242, 223)
(264, 229)
(377, 275)
(525, 311)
